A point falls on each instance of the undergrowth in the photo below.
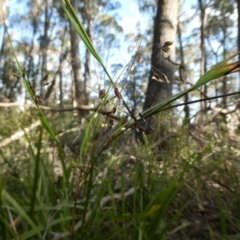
(137, 191)
(99, 182)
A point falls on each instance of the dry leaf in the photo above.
(163, 78)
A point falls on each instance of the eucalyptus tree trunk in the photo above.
(79, 86)
(238, 43)
(224, 79)
(45, 42)
(238, 7)
(165, 29)
(202, 51)
(182, 74)
(87, 15)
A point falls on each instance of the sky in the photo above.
(129, 17)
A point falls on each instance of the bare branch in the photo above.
(19, 134)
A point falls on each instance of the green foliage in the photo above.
(123, 190)
(149, 196)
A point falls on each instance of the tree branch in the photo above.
(19, 134)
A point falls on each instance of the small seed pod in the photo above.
(141, 116)
(45, 77)
(109, 113)
(117, 93)
(111, 121)
(102, 94)
(37, 99)
(114, 110)
(168, 43)
(139, 128)
(45, 80)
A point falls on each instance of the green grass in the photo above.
(143, 197)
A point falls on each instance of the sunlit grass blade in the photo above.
(218, 71)
(215, 72)
(48, 128)
(73, 18)
(68, 9)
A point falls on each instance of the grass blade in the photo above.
(73, 18)
(21, 212)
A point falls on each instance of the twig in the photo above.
(196, 101)
(131, 124)
(66, 109)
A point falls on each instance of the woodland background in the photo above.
(118, 134)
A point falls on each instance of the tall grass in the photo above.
(142, 193)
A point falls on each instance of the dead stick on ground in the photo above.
(19, 134)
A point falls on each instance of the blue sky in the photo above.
(128, 12)
(130, 16)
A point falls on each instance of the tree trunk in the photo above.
(203, 51)
(45, 43)
(238, 43)
(165, 27)
(80, 91)
(182, 74)
(88, 21)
